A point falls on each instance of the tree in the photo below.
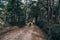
(15, 11)
(3, 12)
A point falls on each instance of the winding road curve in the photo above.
(26, 33)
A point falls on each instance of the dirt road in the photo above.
(26, 33)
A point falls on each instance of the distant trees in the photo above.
(15, 11)
(34, 10)
(49, 10)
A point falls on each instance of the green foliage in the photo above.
(15, 11)
(55, 32)
(56, 28)
(34, 9)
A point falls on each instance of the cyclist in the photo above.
(29, 24)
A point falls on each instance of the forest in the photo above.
(43, 13)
